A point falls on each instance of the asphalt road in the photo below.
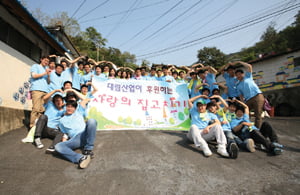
(151, 162)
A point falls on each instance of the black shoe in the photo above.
(233, 150)
(50, 150)
(88, 152)
(84, 161)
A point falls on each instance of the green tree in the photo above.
(211, 56)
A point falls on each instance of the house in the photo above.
(23, 40)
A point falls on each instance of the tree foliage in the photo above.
(271, 42)
(211, 56)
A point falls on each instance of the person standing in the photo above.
(249, 92)
(39, 87)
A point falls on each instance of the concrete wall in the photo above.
(15, 72)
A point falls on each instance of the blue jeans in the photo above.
(85, 139)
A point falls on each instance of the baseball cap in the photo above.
(201, 101)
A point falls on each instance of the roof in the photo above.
(22, 14)
(272, 55)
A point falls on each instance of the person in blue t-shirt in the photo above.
(207, 75)
(56, 79)
(249, 91)
(84, 89)
(39, 88)
(70, 72)
(87, 77)
(47, 124)
(91, 124)
(76, 135)
(152, 75)
(228, 72)
(167, 75)
(220, 112)
(205, 127)
(244, 129)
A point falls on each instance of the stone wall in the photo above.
(11, 119)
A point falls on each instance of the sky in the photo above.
(172, 31)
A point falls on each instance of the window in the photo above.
(19, 42)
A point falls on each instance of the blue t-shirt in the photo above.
(86, 78)
(236, 121)
(168, 78)
(201, 120)
(53, 115)
(231, 83)
(72, 124)
(56, 81)
(192, 91)
(210, 80)
(223, 117)
(159, 78)
(70, 74)
(247, 87)
(151, 78)
(39, 84)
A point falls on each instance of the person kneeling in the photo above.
(76, 135)
(205, 127)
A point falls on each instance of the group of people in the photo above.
(61, 89)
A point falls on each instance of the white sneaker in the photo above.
(38, 143)
(222, 151)
(207, 152)
(250, 145)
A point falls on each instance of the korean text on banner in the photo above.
(131, 104)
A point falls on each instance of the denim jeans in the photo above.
(257, 136)
(85, 139)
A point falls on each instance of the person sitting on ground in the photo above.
(47, 124)
(205, 127)
(232, 147)
(76, 135)
(244, 129)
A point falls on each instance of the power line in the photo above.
(163, 27)
(223, 10)
(75, 12)
(182, 20)
(123, 18)
(90, 11)
(122, 12)
(259, 16)
(220, 33)
(157, 19)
